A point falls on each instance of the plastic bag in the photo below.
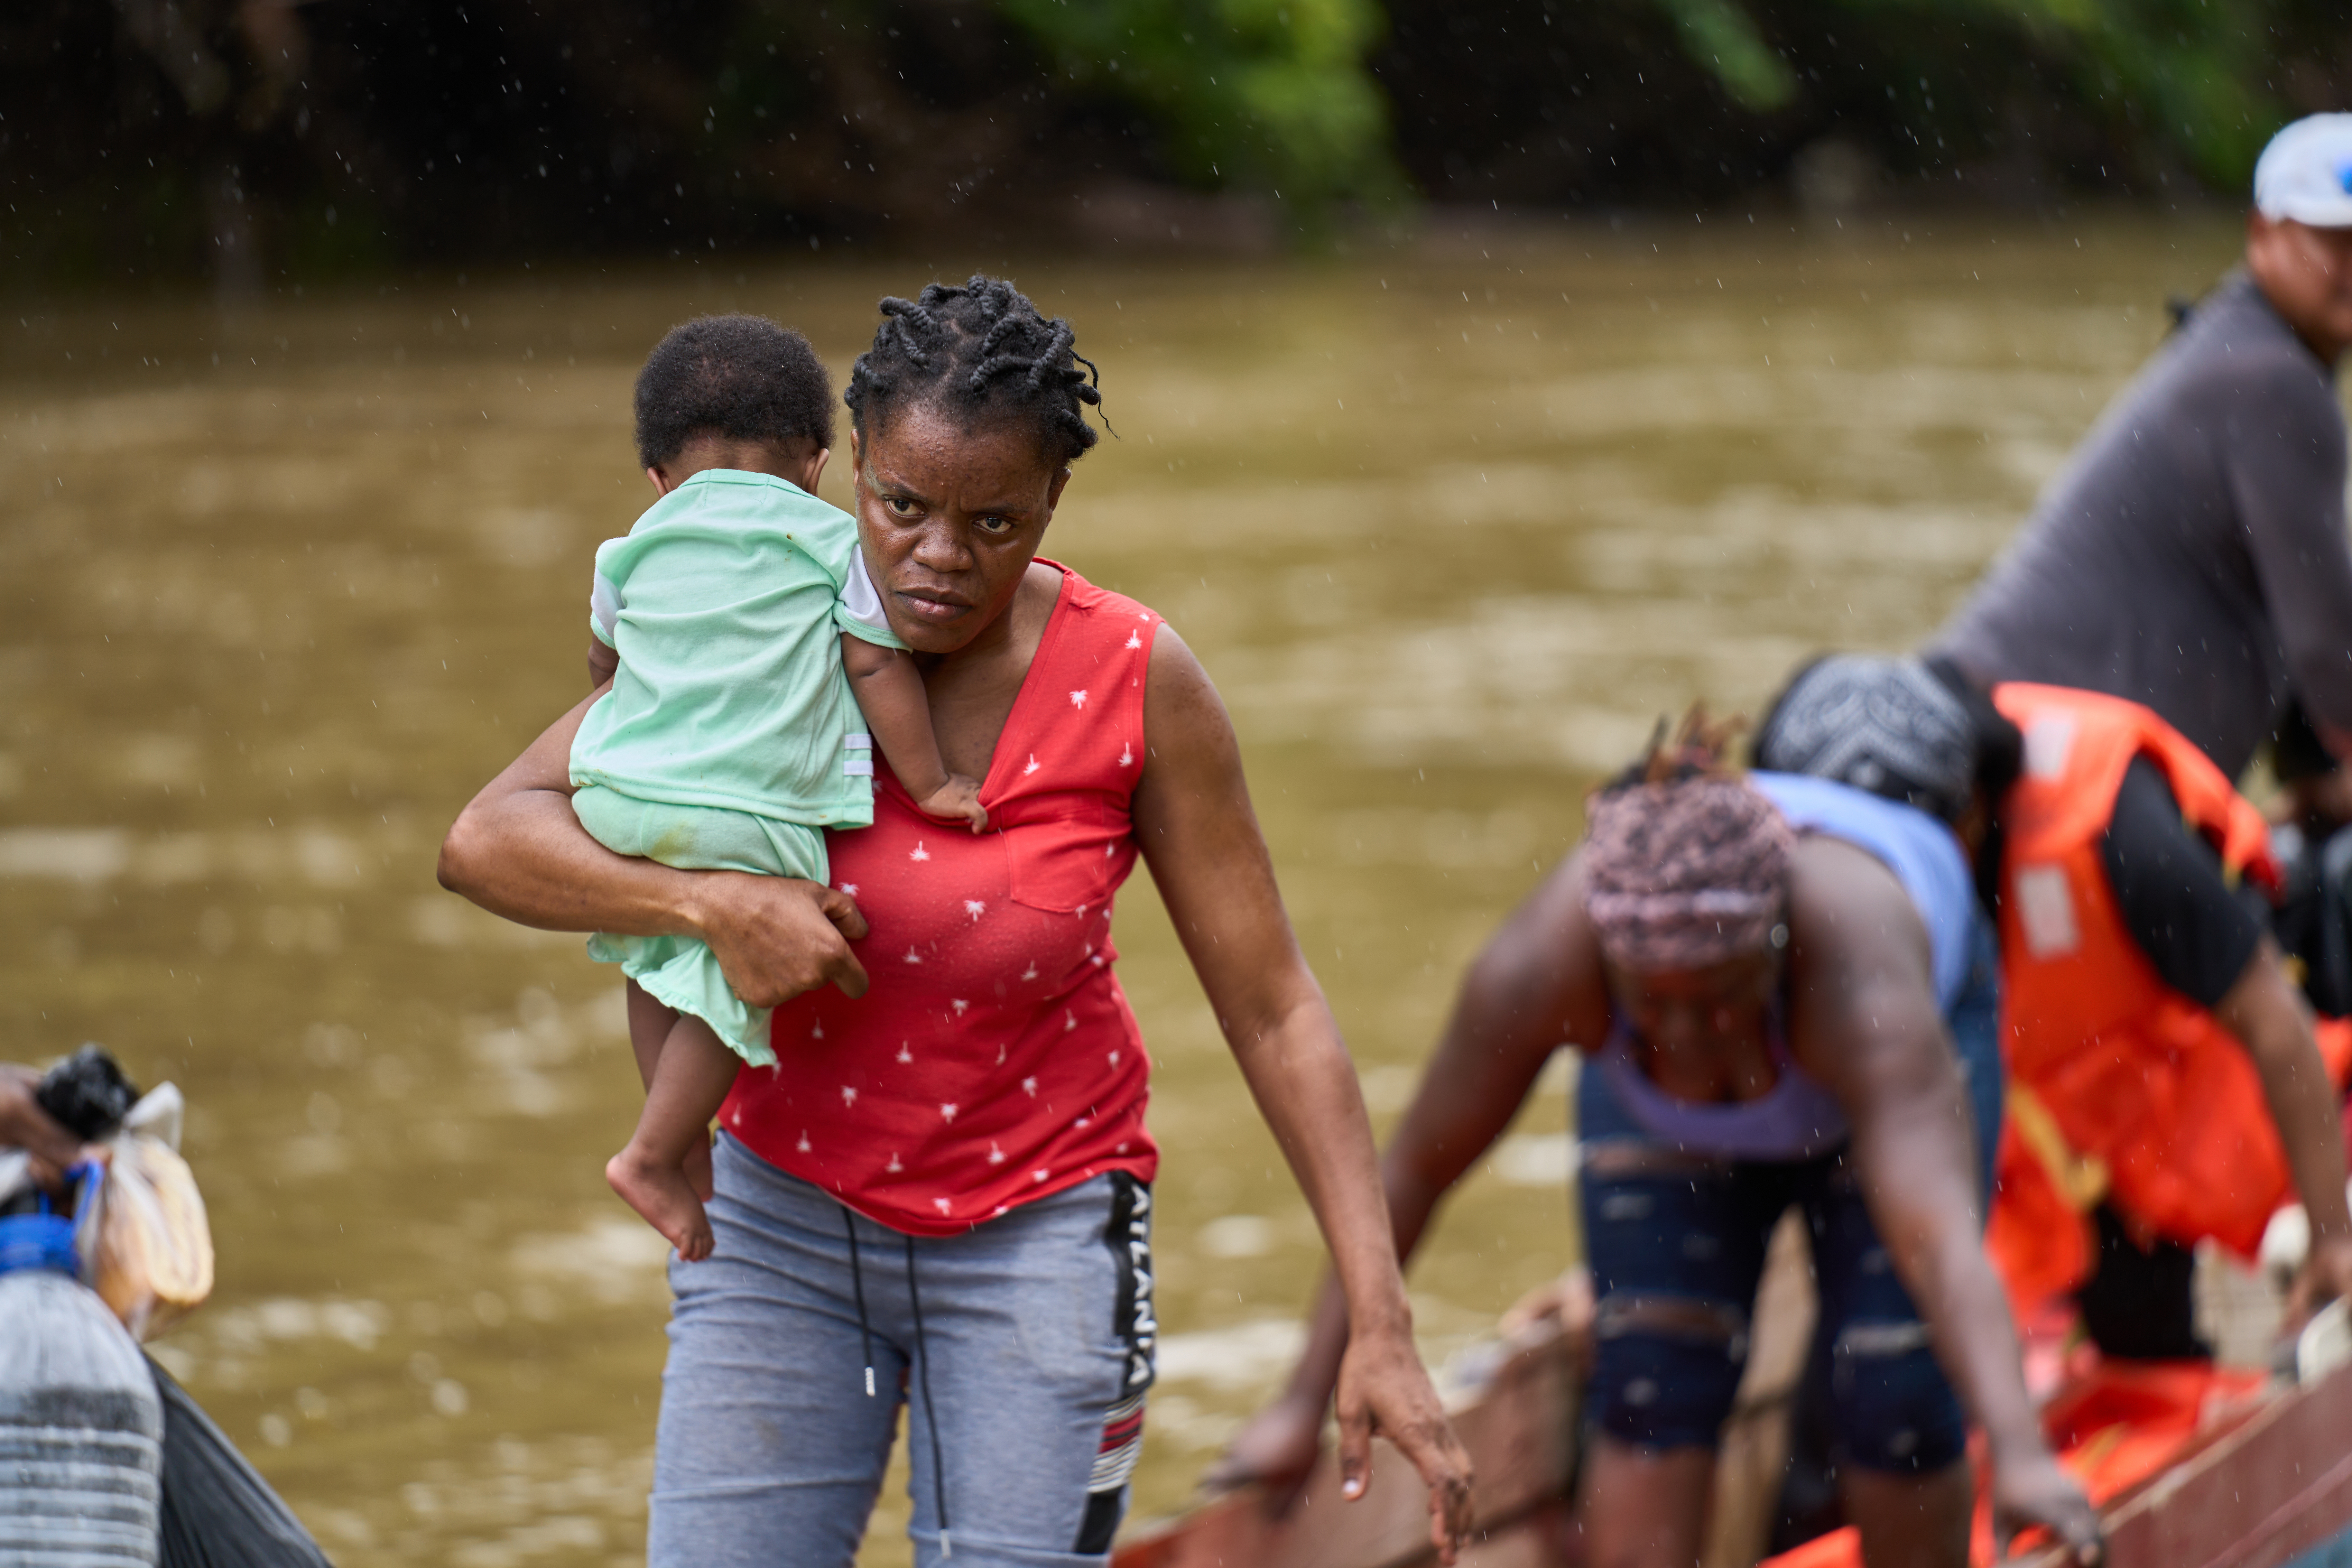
(146, 1246)
(217, 1510)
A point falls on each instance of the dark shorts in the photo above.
(1676, 1244)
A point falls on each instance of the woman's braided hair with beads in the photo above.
(978, 349)
(1684, 864)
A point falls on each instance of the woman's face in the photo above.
(1689, 1023)
(951, 517)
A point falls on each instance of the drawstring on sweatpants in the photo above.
(922, 1365)
(857, 1284)
(930, 1411)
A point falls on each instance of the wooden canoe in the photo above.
(2269, 1486)
(2266, 1483)
(1515, 1406)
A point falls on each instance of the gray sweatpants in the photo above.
(1022, 1346)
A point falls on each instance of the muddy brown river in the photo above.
(1450, 525)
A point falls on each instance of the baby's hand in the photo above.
(960, 796)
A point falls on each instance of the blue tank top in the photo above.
(1797, 1119)
(1920, 850)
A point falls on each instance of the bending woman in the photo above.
(944, 1185)
(1760, 973)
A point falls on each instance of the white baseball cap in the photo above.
(2305, 173)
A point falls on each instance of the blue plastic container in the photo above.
(81, 1425)
(39, 1241)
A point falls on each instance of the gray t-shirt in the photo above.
(2193, 555)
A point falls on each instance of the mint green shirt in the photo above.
(726, 602)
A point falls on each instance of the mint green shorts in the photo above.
(681, 971)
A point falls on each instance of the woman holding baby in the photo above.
(943, 1183)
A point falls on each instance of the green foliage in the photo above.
(1265, 94)
(1719, 35)
(445, 130)
(2186, 73)
(1279, 94)
(2191, 78)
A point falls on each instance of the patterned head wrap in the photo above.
(1686, 873)
(1885, 725)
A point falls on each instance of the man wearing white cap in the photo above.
(2193, 557)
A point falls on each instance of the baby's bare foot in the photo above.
(664, 1199)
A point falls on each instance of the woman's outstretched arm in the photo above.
(1863, 1022)
(518, 851)
(1537, 984)
(1193, 820)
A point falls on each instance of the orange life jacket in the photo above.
(2120, 1088)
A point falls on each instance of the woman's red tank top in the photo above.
(994, 1060)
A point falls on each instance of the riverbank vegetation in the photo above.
(259, 140)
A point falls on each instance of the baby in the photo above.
(742, 637)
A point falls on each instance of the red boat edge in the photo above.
(2271, 1487)
(2267, 1485)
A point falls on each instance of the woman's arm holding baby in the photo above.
(518, 851)
(889, 691)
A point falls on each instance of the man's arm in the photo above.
(1863, 1021)
(518, 851)
(2206, 944)
(1194, 821)
(2267, 1017)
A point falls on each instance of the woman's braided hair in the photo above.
(1698, 747)
(1684, 864)
(981, 351)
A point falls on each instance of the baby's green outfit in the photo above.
(729, 739)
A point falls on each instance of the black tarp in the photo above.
(217, 1510)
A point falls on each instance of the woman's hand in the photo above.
(2031, 1491)
(518, 851)
(1384, 1389)
(775, 937)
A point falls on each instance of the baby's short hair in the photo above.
(742, 377)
